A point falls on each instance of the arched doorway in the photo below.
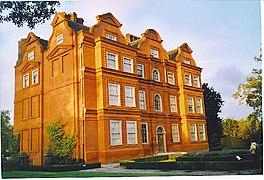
(161, 139)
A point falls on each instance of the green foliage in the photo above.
(30, 12)
(233, 143)
(6, 132)
(61, 145)
(213, 104)
(249, 128)
(14, 145)
(215, 143)
(250, 93)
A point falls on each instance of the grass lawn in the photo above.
(38, 174)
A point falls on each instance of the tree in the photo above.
(250, 93)
(6, 131)
(213, 103)
(230, 127)
(30, 12)
(61, 145)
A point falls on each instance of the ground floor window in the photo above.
(116, 132)
(131, 132)
(193, 132)
(175, 133)
(144, 133)
(202, 132)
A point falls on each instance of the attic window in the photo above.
(154, 53)
(109, 36)
(60, 39)
(31, 56)
(187, 61)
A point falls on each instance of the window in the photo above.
(187, 61)
(190, 105)
(171, 78)
(175, 133)
(128, 65)
(130, 96)
(202, 132)
(108, 36)
(193, 132)
(140, 70)
(31, 56)
(157, 102)
(142, 100)
(188, 80)
(116, 133)
(60, 39)
(199, 105)
(196, 81)
(112, 61)
(114, 94)
(35, 76)
(131, 132)
(144, 133)
(154, 53)
(155, 75)
(25, 80)
(173, 104)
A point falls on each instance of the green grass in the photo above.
(76, 174)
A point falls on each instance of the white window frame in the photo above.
(130, 98)
(187, 61)
(147, 140)
(190, 105)
(173, 104)
(199, 105)
(31, 55)
(202, 132)
(131, 69)
(59, 39)
(115, 63)
(142, 68)
(154, 53)
(175, 133)
(33, 76)
(193, 133)
(188, 81)
(196, 81)
(112, 94)
(142, 102)
(160, 102)
(134, 133)
(111, 37)
(158, 75)
(25, 83)
(172, 79)
(119, 133)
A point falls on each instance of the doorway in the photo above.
(161, 140)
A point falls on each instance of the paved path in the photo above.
(116, 168)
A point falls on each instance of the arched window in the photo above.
(155, 75)
(157, 102)
(160, 130)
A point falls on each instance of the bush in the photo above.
(215, 144)
(233, 143)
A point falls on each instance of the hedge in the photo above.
(152, 158)
(214, 158)
(196, 165)
(54, 168)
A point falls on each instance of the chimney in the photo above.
(21, 48)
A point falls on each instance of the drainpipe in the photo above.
(82, 96)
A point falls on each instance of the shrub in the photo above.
(215, 144)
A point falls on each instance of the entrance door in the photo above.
(161, 139)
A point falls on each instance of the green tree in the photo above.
(61, 145)
(213, 103)
(250, 93)
(6, 131)
(30, 12)
(230, 127)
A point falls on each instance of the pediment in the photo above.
(58, 18)
(29, 65)
(31, 38)
(110, 19)
(58, 50)
(186, 48)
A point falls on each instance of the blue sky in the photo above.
(224, 36)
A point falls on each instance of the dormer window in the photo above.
(111, 37)
(31, 56)
(59, 39)
(187, 61)
(154, 53)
